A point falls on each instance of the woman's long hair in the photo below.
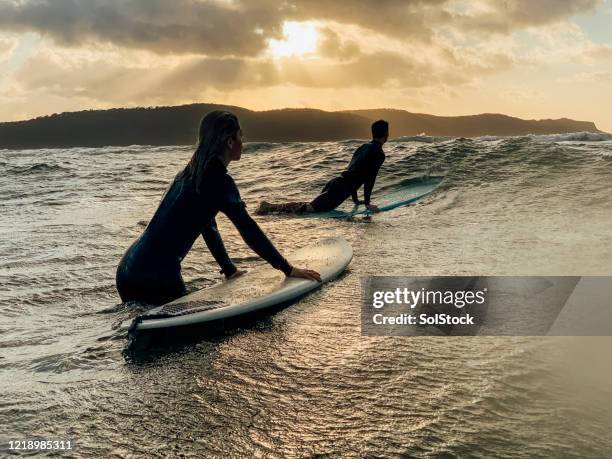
(216, 127)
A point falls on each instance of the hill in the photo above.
(409, 124)
(179, 125)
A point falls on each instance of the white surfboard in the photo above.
(260, 288)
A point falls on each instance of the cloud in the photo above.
(199, 74)
(602, 52)
(95, 78)
(407, 19)
(331, 45)
(6, 47)
(598, 76)
(238, 28)
(376, 70)
(100, 53)
(501, 17)
(179, 26)
(560, 44)
(212, 28)
(119, 80)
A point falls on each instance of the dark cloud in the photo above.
(177, 26)
(242, 27)
(399, 18)
(331, 45)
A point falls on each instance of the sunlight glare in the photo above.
(300, 38)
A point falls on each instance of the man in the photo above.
(362, 170)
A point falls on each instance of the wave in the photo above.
(477, 161)
(39, 168)
(421, 138)
(576, 136)
(564, 137)
(254, 147)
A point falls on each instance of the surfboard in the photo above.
(260, 288)
(408, 192)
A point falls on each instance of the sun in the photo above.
(300, 38)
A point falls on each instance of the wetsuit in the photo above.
(150, 270)
(362, 170)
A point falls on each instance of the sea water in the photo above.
(303, 381)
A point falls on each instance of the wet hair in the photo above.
(215, 129)
(379, 129)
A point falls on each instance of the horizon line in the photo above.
(290, 108)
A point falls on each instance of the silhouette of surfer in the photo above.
(362, 170)
(150, 270)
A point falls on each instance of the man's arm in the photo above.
(368, 185)
(213, 240)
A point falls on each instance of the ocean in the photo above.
(302, 381)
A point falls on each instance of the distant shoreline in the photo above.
(161, 126)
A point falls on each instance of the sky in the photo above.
(533, 59)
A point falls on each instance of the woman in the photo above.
(150, 270)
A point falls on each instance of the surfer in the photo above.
(150, 270)
(362, 170)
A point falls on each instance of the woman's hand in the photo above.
(238, 273)
(305, 274)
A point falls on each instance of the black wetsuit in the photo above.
(150, 270)
(362, 170)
